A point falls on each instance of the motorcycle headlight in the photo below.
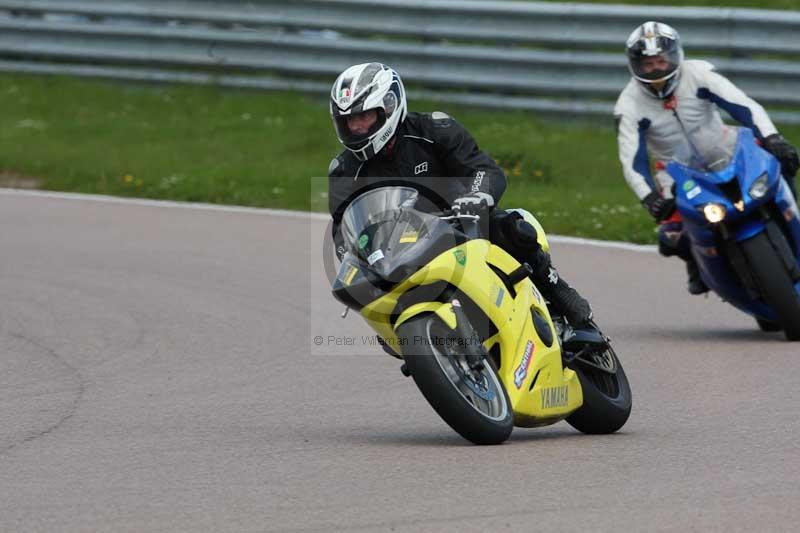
(759, 187)
(714, 213)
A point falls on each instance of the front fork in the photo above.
(474, 352)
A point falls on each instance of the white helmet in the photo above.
(362, 88)
(655, 39)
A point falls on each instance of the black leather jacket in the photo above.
(432, 153)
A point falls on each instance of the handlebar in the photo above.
(455, 213)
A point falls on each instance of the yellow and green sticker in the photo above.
(408, 236)
(348, 278)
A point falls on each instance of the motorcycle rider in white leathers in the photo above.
(666, 99)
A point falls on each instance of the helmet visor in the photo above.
(355, 130)
(655, 58)
(655, 68)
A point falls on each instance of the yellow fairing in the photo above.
(443, 309)
(524, 357)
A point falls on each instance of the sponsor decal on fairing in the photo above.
(694, 192)
(374, 257)
(522, 370)
(555, 397)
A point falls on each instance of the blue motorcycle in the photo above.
(742, 226)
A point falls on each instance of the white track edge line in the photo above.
(265, 211)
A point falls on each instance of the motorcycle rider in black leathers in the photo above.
(436, 155)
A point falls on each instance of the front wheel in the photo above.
(606, 393)
(471, 401)
(767, 325)
(774, 283)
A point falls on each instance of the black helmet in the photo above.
(655, 55)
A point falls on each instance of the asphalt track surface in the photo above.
(157, 373)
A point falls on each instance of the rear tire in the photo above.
(478, 409)
(774, 283)
(768, 325)
(607, 398)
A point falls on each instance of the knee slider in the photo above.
(518, 230)
(669, 235)
(666, 250)
(526, 233)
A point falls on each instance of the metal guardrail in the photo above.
(530, 55)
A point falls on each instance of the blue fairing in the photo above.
(785, 202)
(695, 189)
(748, 229)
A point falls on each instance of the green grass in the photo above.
(262, 149)
(176, 142)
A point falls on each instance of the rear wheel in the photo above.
(606, 393)
(768, 325)
(471, 401)
(774, 283)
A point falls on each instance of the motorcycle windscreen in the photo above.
(382, 228)
(735, 155)
(708, 149)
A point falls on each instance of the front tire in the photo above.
(607, 397)
(474, 404)
(767, 325)
(774, 283)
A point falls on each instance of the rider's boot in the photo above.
(564, 300)
(696, 284)
(521, 237)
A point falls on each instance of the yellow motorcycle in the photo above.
(472, 329)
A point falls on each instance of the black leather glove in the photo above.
(475, 202)
(783, 152)
(660, 208)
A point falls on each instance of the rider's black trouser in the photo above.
(673, 241)
(510, 231)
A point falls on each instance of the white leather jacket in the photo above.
(650, 129)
